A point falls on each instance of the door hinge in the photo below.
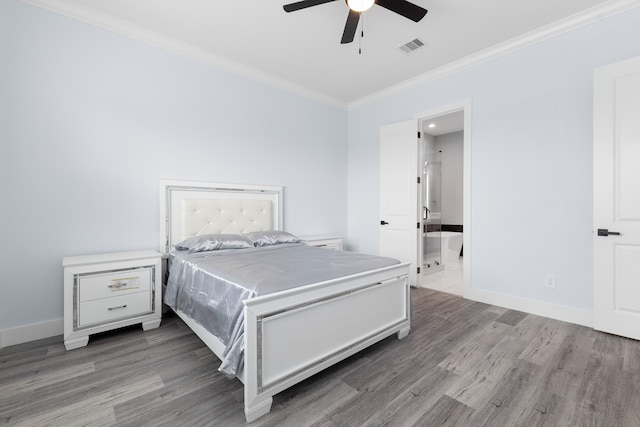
(418, 227)
(418, 180)
(418, 270)
(419, 135)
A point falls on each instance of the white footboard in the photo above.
(292, 335)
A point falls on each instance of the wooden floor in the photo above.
(464, 364)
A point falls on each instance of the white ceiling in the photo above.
(301, 51)
(444, 124)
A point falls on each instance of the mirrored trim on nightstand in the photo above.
(76, 298)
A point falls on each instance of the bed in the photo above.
(289, 328)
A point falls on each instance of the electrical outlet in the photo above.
(550, 281)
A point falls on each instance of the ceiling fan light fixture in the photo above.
(360, 5)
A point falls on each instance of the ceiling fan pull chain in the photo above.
(361, 33)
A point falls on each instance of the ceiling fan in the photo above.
(356, 7)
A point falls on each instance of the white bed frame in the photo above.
(293, 334)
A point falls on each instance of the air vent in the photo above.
(412, 46)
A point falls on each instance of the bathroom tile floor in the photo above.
(447, 280)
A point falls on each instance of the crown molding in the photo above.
(594, 14)
(128, 29)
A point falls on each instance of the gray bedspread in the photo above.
(210, 287)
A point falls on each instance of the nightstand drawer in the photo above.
(323, 241)
(328, 245)
(107, 309)
(105, 285)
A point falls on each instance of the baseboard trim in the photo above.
(540, 308)
(32, 332)
(51, 328)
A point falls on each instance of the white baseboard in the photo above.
(35, 331)
(559, 312)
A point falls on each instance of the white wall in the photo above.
(451, 146)
(91, 121)
(531, 136)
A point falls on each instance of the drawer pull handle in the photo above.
(128, 283)
(117, 285)
(116, 308)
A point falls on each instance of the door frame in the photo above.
(465, 106)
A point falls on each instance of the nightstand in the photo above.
(323, 241)
(109, 291)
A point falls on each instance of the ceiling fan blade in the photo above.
(404, 8)
(292, 7)
(350, 27)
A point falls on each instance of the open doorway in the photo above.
(445, 198)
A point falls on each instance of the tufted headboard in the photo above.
(190, 209)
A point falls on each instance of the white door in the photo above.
(616, 174)
(399, 214)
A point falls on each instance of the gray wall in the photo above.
(91, 121)
(531, 133)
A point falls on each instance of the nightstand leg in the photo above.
(150, 325)
(403, 332)
(76, 342)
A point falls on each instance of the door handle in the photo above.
(605, 232)
(383, 222)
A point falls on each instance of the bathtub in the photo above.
(450, 243)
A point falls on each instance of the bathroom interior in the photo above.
(442, 203)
